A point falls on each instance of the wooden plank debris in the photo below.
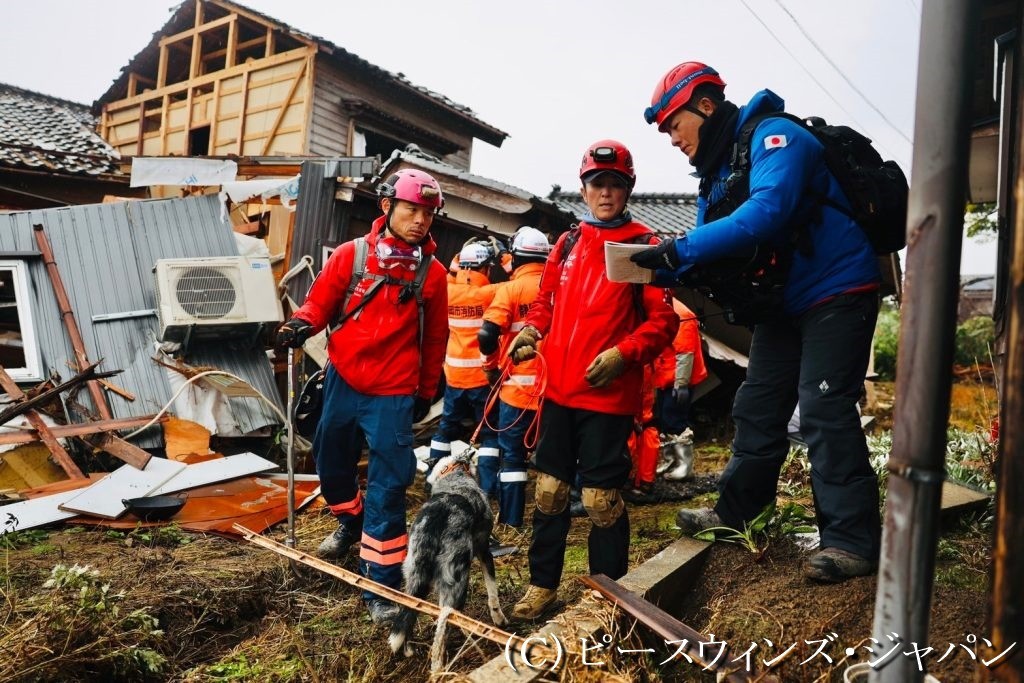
(664, 625)
(35, 512)
(60, 456)
(79, 429)
(468, 624)
(957, 499)
(103, 498)
(86, 375)
(120, 449)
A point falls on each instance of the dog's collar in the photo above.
(451, 467)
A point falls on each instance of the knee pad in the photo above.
(552, 494)
(603, 505)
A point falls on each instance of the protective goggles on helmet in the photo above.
(651, 113)
(394, 254)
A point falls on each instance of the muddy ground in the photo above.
(168, 605)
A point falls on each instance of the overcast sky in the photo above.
(555, 76)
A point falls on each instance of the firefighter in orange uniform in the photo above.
(519, 394)
(470, 292)
(680, 367)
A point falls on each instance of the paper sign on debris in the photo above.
(148, 171)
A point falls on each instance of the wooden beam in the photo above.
(231, 51)
(194, 61)
(284, 108)
(87, 375)
(119, 448)
(161, 69)
(133, 84)
(142, 128)
(196, 30)
(663, 624)
(45, 435)
(80, 429)
(468, 624)
(213, 119)
(165, 106)
(241, 115)
(271, 42)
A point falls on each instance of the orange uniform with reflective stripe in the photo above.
(392, 551)
(507, 311)
(643, 446)
(469, 295)
(687, 340)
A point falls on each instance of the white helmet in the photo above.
(530, 243)
(474, 255)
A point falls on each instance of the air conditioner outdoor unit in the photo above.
(206, 298)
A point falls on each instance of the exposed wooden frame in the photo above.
(161, 71)
(240, 143)
(198, 30)
(285, 103)
(60, 455)
(271, 42)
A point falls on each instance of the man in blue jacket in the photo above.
(812, 331)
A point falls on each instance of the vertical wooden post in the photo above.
(269, 51)
(161, 69)
(232, 48)
(68, 316)
(240, 146)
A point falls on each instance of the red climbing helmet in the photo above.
(608, 155)
(676, 88)
(412, 186)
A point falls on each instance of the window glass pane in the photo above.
(12, 348)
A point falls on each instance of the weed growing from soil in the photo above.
(771, 523)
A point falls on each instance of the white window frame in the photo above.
(32, 372)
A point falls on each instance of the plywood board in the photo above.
(103, 499)
(957, 498)
(211, 471)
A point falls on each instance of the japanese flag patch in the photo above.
(773, 141)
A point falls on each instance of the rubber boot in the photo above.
(683, 466)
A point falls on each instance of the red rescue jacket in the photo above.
(687, 341)
(580, 313)
(377, 351)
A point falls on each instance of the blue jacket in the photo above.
(787, 171)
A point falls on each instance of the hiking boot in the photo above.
(693, 521)
(834, 565)
(336, 546)
(534, 602)
(382, 612)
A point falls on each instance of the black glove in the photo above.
(493, 375)
(664, 255)
(294, 333)
(420, 408)
(681, 395)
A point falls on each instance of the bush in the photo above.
(887, 334)
(974, 341)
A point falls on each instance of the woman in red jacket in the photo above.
(597, 336)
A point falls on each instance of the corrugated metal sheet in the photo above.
(666, 214)
(105, 254)
(318, 216)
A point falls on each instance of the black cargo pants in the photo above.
(820, 359)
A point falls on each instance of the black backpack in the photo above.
(749, 286)
(875, 189)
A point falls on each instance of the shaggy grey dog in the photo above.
(453, 526)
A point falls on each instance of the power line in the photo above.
(840, 71)
(811, 75)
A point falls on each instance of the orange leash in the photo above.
(533, 430)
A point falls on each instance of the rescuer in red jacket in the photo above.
(597, 337)
(385, 363)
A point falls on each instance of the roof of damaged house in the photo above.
(105, 255)
(48, 134)
(457, 182)
(183, 19)
(665, 213)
